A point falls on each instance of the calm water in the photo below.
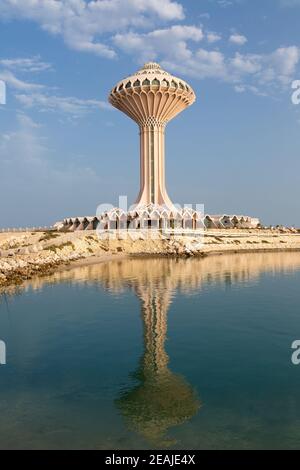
(154, 353)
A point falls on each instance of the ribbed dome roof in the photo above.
(152, 92)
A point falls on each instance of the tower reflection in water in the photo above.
(161, 399)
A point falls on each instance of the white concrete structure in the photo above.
(142, 217)
(230, 221)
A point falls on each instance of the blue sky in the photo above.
(63, 150)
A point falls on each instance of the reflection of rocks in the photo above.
(187, 275)
(161, 399)
(24, 256)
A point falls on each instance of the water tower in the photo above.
(152, 97)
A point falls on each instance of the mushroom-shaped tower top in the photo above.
(152, 97)
(152, 92)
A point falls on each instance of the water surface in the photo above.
(154, 353)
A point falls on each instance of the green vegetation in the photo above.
(54, 248)
(49, 236)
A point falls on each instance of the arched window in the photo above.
(155, 82)
(121, 87)
(112, 225)
(146, 82)
(173, 84)
(164, 83)
(122, 222)
(181, 86)
(128, 85)
(137, 83)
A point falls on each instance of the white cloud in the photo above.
(202, 65)
(174, 47)
(27, 162)
(22, 143)
(82, 22)
(225, 3)
(246, 63)
(258, 73)
(213, 37)
(10, 79)
(26, 150)
(68, 105)
(170, 42)
(283, 63)
(210, 63)
(165, 9)
(253, 89)
(32, 64)
(205, 16)
(290, 3)
(276, 67)
(33, 95)
(238, 39)
(83, 25)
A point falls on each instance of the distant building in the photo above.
(231, 221)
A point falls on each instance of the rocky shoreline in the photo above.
(26, 255)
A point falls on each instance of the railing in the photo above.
(26, 229)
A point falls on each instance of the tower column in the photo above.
(152, 166)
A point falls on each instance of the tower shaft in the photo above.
(152, 166)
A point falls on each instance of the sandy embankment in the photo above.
(24, 255)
